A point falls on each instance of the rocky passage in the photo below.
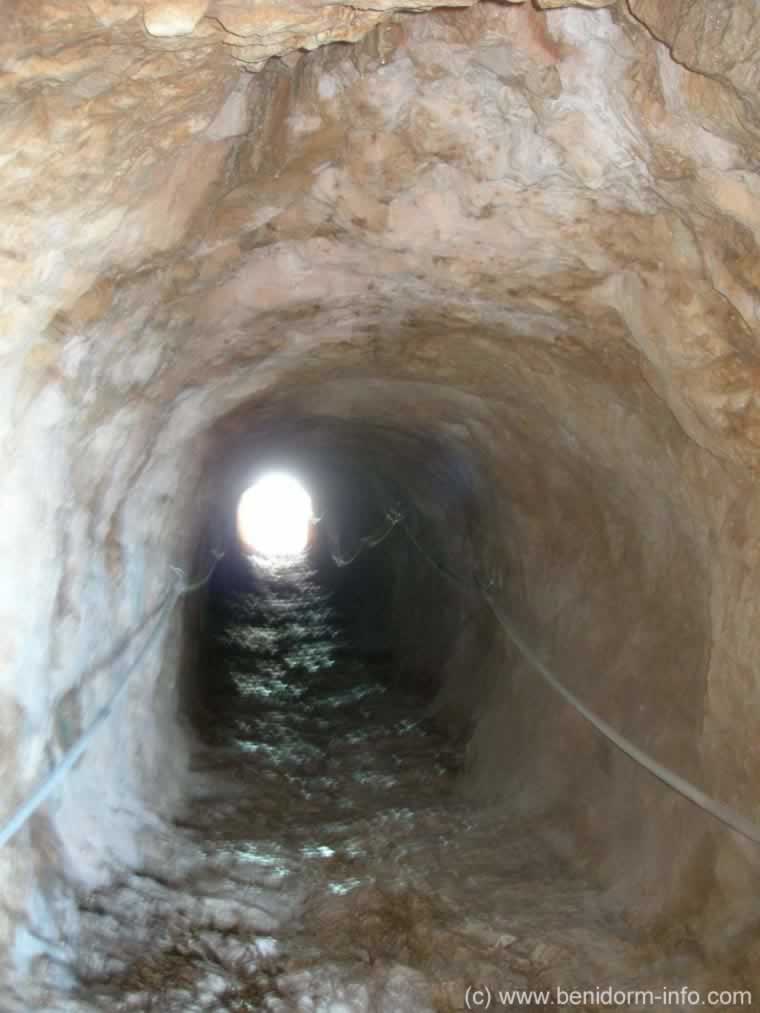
(327, 861)
(497, 262)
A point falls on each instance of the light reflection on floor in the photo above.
(326, 860)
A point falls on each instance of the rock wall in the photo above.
(538, 227)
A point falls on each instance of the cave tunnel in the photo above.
(483, 279)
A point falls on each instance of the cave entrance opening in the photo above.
(275, 516)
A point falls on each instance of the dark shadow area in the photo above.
(290, 620)
(379, 491)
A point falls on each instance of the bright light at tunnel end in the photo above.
(274, 516)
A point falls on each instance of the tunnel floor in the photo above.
(327, 860)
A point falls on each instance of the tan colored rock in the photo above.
(258, 31)
(717, 38)
(168, 18)
(592, 4)
(108, 12)
(533, 235)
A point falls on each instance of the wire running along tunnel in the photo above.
(483, 280)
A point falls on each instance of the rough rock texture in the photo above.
(530, 233)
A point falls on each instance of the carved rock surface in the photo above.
(531, 232)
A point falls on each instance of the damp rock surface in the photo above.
(326, 859)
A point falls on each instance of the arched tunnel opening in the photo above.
(483, 280)
(367, 685)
